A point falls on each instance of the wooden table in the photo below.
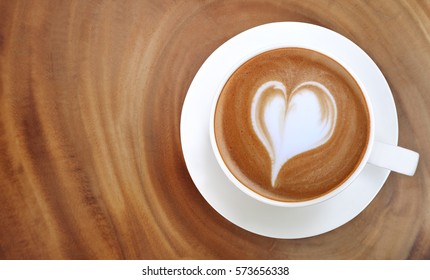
(91, 165)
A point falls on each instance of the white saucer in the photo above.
(234, 205)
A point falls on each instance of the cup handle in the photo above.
(395, 158)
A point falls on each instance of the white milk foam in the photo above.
(289, 124)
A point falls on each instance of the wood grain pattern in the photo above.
(91, 93)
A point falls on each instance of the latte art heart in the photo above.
(291, 123)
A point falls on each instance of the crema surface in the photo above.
(292, 124)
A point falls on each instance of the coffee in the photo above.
(291, 124)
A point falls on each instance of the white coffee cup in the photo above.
(384, 155)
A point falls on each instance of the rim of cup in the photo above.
(237, 183)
